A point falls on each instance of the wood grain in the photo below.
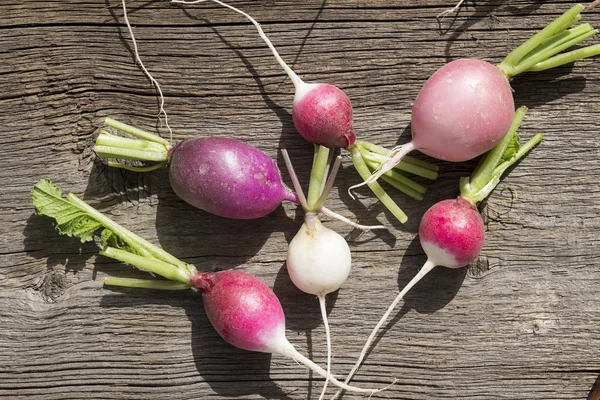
(520, 323)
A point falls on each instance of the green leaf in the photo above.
(70, 220)
(512, 149)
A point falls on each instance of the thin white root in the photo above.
(154, 81)
(328, 334)
(291, 352)
(593, 5)
(295, 79)
(347, 221)
(445, 13)
(427, 267)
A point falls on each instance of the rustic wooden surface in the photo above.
(521, 323)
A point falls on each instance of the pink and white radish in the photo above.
(241, 308)
(322, 114)
(466, 107)
(452, 231)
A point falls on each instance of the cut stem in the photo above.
(386, 200)
(540, 51)
(158, 284)
(317, 175)
(166, 270)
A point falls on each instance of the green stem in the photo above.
(565, 58)
(559, 40)
(326, 187)
(398, 177)
(408, 167)
(142, 246)
(382, 151)
(112, 146)
(363, 171)
(147, 146)
(136, 169)
(317, 175)
(510, 65)
(133, 131)
(166, 270)
(484, 171)
(488, 173)
(403, 188)
(158, 284)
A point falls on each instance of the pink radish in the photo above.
(452, 232)
(466, 107)
(322, 114)
(241, 308)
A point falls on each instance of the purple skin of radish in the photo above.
(220, 175)
(452, 231)
(226, 177)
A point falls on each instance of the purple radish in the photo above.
(452, 232)
(322, 114)
(466, 107)
(219, 175)
(241, 308)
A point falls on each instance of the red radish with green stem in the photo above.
(318, 258)
(466, 107)
(452, 232)
(322, 114)
(220, 175)
(241, 308)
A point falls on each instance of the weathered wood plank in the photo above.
(521, 323)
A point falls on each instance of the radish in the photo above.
(220, 175)
(466, 107)
(241, 308)
(452, 232)
(318, 258)
(322, 114)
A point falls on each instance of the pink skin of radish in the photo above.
(322, 114)
(466, 107)
(241, 308)
(452, 231)
(463, 110)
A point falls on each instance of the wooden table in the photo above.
(523, 322)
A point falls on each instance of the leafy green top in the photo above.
(495, 162)
(76, 218)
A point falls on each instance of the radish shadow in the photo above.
(230, 372)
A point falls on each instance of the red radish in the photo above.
(322, 114)
(452, 232)
(466, 107)
(241, 308)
